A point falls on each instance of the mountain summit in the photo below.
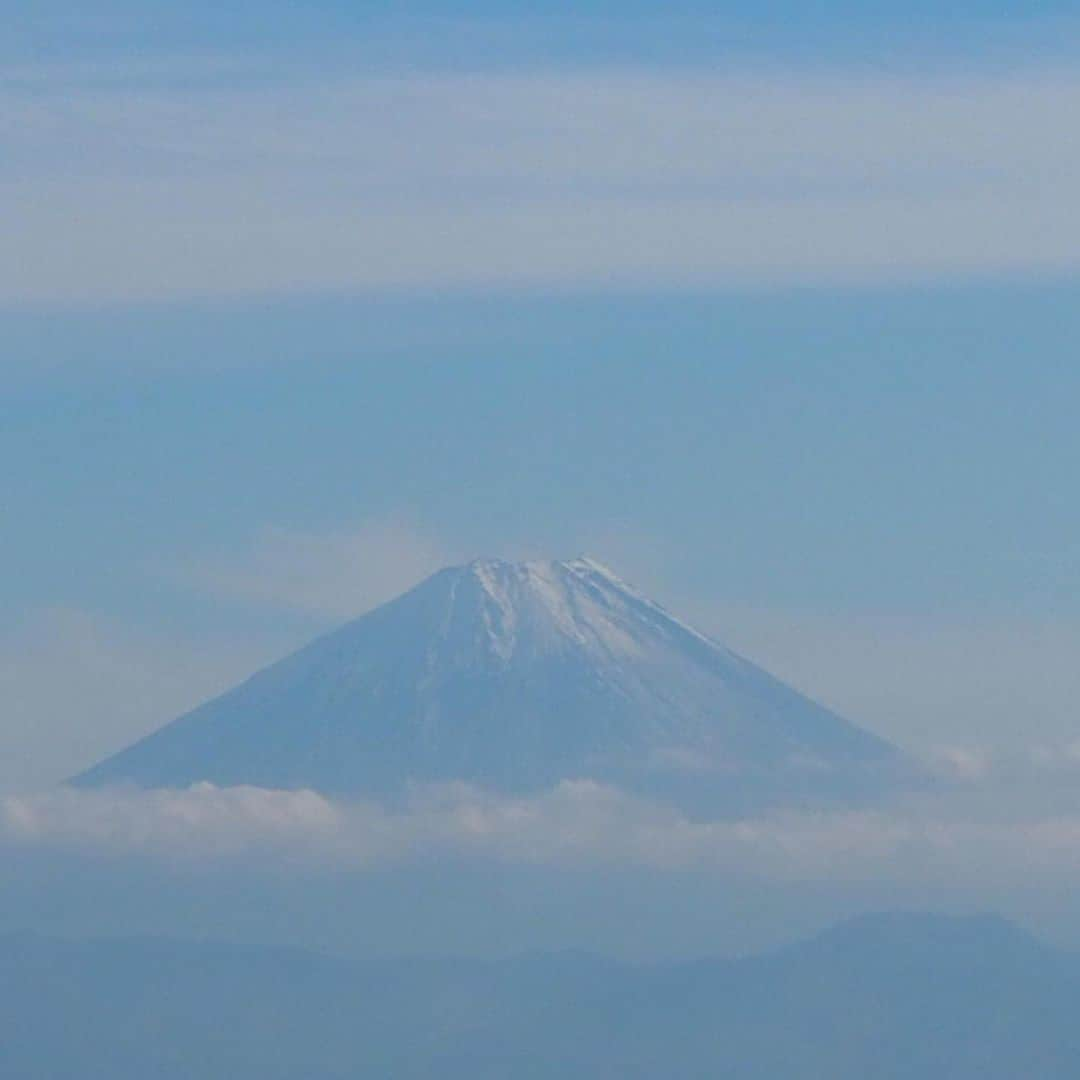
(514, 676)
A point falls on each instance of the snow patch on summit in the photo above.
(576, 603)
(498, 614)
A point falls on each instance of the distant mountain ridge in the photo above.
(893, 997)
(513, 676)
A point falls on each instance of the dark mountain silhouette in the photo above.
(896, 997)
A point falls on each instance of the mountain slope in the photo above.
(512, 676)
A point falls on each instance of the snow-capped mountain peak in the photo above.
(514, 675)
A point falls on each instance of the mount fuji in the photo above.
(513, 677)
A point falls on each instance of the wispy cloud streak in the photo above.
(519, 180)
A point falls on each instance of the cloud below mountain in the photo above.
(959, 840)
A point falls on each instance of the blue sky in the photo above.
(899, 450)
(774, 308)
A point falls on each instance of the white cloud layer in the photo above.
(950, 839)
(510, 180)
